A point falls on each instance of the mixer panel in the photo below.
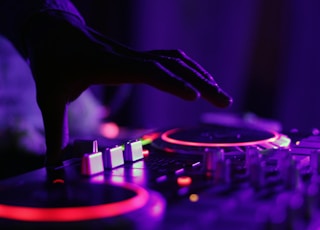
(203, 177)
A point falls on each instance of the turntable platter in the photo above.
(196, 139)
(69, 201)
(38, 204)
(205, 176)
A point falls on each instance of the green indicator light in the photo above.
(145, 141)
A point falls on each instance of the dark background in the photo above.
(265, 53)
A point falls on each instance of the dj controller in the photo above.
(206, 176)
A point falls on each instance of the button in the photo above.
(183, 181)
(161, 178)
(133, 151)
(179, 171)
(92, 164)
(113, 157)
(83, 146)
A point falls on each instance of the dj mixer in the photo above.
(206, 176)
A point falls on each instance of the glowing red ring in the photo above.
(165, 137)
(69, 214)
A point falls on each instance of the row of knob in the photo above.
(288, 165)
(96, 161)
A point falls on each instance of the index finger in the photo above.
(186, 59)
(206, 86)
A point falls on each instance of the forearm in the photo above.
(15, 15)
(25, 24)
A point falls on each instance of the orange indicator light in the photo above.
(193, 197)
(58, 181)
(184, 181)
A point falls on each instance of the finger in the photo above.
(208, 89)
(161, 78)
(121, 70)
(173, 63)
(54, 114)
(186, 59)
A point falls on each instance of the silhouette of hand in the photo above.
(66, 57)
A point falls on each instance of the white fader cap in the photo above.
(133, 151)
(92, 163)
(113, 157)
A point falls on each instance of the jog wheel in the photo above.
(81, 205)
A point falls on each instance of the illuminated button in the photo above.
(283, 141)
(193, 197)
(145, 152)
(92, 164)
(184, 181)
(161, 178)
(179, 171)
(113, 157)
(196, 164)
(133, 151)
(58, 181)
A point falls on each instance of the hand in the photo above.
(66, 57)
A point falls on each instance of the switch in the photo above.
(223, 172)
(211, 159)
(133, 151)
(113, 157)
(253, 156)
(79, 147)
(92, 163)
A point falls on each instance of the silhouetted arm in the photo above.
(66, 57)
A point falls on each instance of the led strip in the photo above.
(82, 213)
(165, 137)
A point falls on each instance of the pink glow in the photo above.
(151, 136)
(68, 214)
(145, 152)
(109, 130)
(56, 181)
(157, 209)
(184, 181)
(165, 137)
